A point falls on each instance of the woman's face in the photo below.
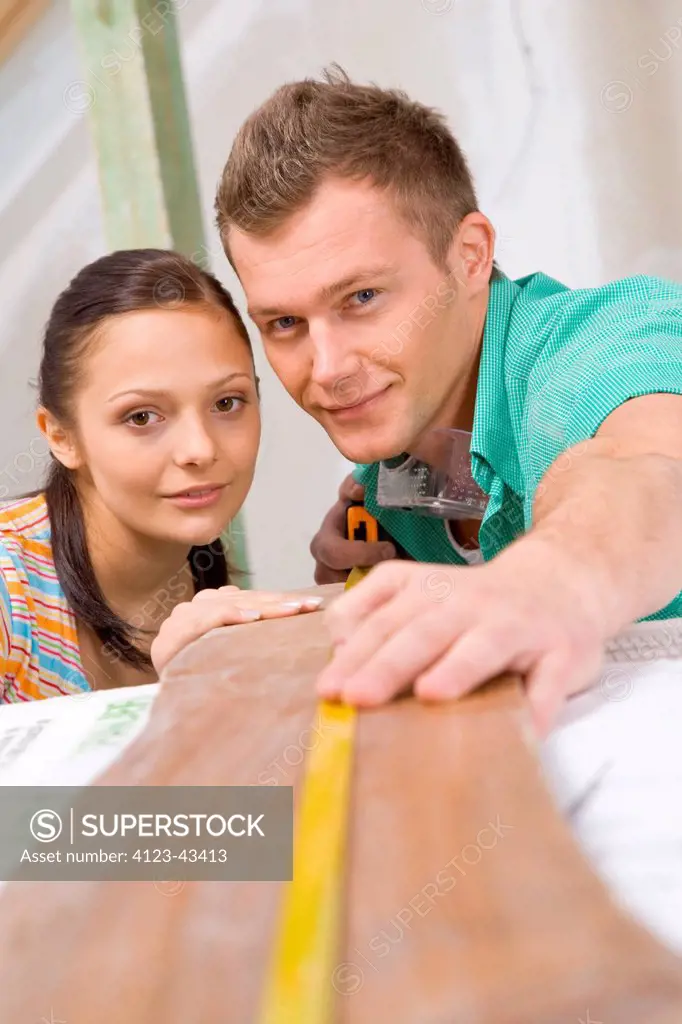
(167, 422)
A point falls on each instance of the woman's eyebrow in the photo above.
(160, 392)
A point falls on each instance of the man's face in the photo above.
(365, 331)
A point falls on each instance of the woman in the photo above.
(149, 404)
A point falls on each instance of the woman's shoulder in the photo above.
(25, 537)
(27, 567)
(38, 638)
(25, 520)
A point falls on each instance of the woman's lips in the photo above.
(197, 498)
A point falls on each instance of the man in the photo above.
(350, 217)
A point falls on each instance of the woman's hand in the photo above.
(227, 606)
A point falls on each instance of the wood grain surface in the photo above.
(467, 900)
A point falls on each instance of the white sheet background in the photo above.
(616, 758)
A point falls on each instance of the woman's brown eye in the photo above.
(225, 404)
(140, 419)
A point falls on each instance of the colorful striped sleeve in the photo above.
(5, 622)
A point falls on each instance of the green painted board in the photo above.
(133, 91)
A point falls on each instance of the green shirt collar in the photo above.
(493, 449)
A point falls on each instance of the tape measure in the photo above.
(360, 525)
(299, 989)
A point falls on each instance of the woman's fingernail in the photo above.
(296, 605)
(250, 614)
(313, 602)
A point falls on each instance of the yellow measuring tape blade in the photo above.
(355, 576)
(300, 989)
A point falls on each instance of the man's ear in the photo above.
(62, 442)
(472, 251)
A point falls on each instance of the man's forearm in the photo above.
(615, 522)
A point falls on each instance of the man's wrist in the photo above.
(544, 555)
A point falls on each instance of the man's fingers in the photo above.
(352, 608)
(349, 659)
(475, 658)
(389, 653)
(555, 677)
(545, 694)
(331, 548)
(350, 490)
(363, 622)
(335, 555)
(339, 554)
(323, 574)
(333, 527)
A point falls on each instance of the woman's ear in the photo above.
(61, 441)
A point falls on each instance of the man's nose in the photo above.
(334, 359)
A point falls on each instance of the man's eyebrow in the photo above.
(354, 280)
(160, 393)
(357, 278)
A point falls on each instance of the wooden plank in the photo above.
(466, 898)
(17, 18)
(133, 90)
(478, 906)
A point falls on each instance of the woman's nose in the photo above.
(194, 444)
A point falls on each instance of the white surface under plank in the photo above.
(614, 763)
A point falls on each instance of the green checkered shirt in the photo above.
(555, 363)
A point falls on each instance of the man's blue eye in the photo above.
(285, 321)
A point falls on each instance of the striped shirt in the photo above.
(555, 363)
(39, 653)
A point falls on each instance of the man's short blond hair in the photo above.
(311, 130)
